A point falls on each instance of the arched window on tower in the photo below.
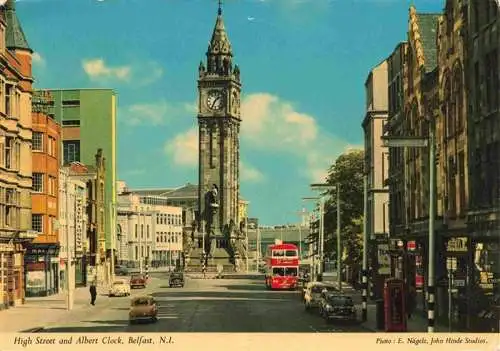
(447, 113)
(458, 98)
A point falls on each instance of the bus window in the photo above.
(278, 253)
(279, 271)
(291, 271)
(291, 253)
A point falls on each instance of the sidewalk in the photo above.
(40, 311)
(417, 323)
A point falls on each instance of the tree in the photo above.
(347, 173)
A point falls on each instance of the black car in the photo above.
(334, 306)
(176, 279)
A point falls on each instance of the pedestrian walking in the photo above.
(411, 301)
(93, 293)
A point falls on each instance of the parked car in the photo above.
(176, 279)
(143, 308)
(138, 280)
(334, 306)
(121, 270)
(119, 288)
(312, 293)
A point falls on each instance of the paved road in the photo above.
(236, 305)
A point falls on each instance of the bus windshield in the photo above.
(285, 271)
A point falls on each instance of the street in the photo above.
(208, 305)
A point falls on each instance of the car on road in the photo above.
(119, 288)
(143, 308)
(138, 280)
(121, 270)
(312, 293)
(334, 306)
(176, 279)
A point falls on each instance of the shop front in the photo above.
(11, 275)
(42, 269)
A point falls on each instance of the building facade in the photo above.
(72, 230)
(376, 168)
(41, 258)
(482, 68)
(15, 155)
(94, 263)
(88, 120)
(450, 84)
(135, 230)
(162, 244)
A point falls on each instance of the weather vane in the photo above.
(220, 7)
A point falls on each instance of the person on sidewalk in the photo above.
(411, 301)
(93, 293)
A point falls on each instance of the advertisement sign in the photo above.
(79, 229)
(384, 259)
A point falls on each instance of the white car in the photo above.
(119, 288)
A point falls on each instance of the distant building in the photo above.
(149, 229)
(88, 120)
(376, 169)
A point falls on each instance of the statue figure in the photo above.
(237, 72)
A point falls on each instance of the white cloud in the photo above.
(139, 74)
(154, 113)
(250, 174)
(37, 59)
(272, 126)
(183, 148)
(275, 126)
(97, 69)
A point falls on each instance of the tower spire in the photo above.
(219, 53)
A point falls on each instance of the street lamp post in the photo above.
(320, 239)
(429, 143)
(69, 282)
(339, 247)
(364, 312)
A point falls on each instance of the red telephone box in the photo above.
(395, 305)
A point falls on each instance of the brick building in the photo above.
(41, 258)
(15, 155)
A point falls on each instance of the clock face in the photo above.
(214, 100)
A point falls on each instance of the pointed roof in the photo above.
(424, 28)
(14, 36)
(219, 44)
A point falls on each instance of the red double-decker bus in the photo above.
(282, 266)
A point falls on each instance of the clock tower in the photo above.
(219, 90)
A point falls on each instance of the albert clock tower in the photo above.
(219, 90)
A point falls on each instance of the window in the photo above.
(147, 231)
(461, 179)
(136, 231)
(9, 142)
(71, 150)
(291, 253)
(71, 122)
(37, 223)
(8, 103)
(38, 182)
(142, 231)
(136, 252)
(71, 102)
(278, 253)
(37, 141)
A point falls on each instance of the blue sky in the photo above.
(303, 67)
